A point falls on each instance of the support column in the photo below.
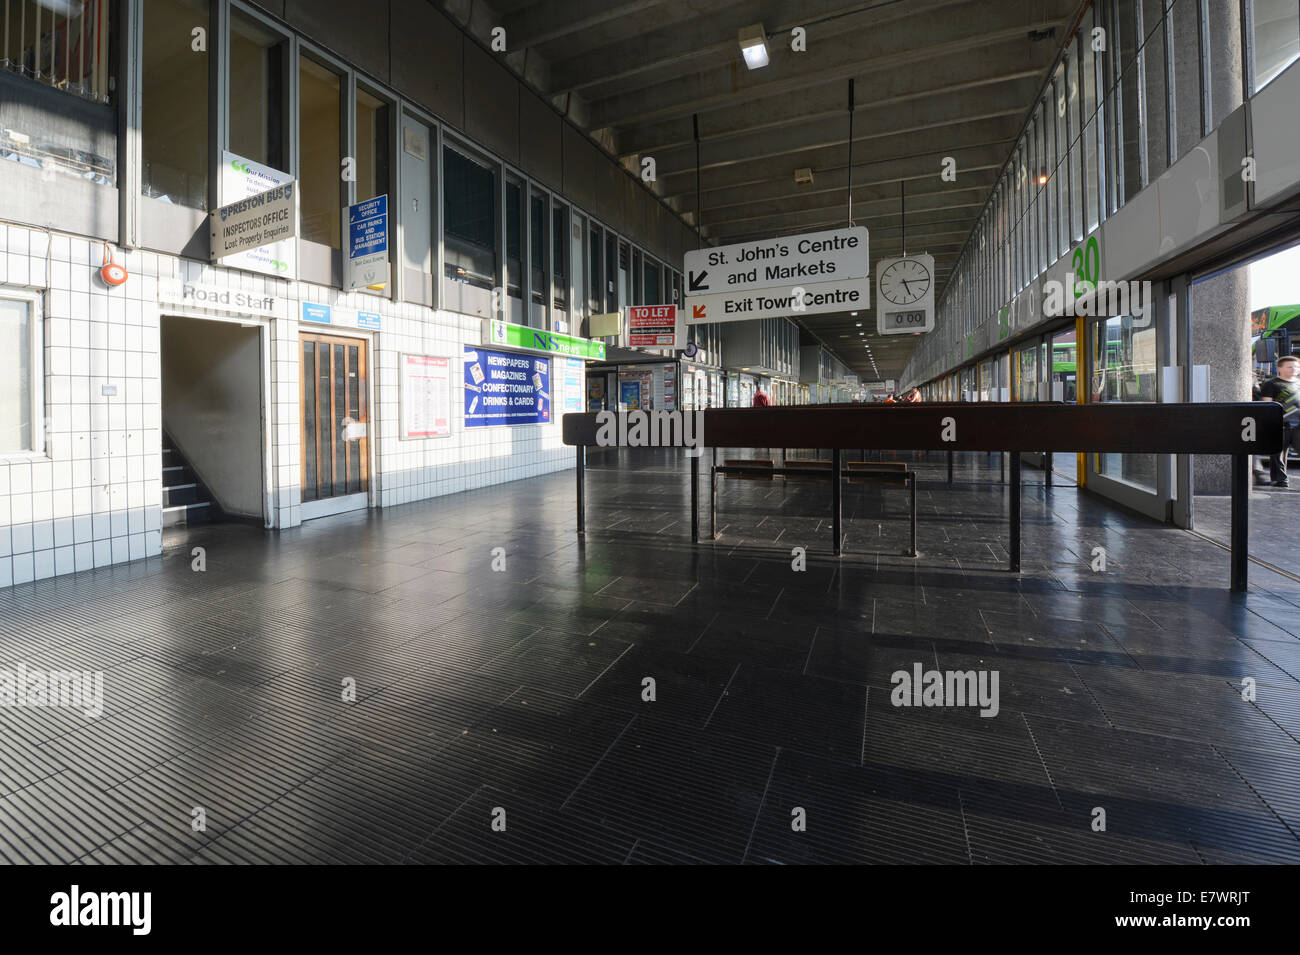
(1015, 512)
(582, 488)
(836, 502)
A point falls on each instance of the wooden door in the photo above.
(335, 418)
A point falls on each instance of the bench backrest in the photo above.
(1228, 428)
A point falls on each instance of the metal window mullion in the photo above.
(502, 281)
(396, 206)
(348, 147)
(1247, 49)
(129, 111)
(1144, 109)
(1171, 108)
(1099, 119)
(548, 260)
(526, 252)
(1203, 64)
(436, 200)
(218, 95)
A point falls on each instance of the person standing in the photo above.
(1284, 389)
(760, 400)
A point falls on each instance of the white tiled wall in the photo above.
(95, 496)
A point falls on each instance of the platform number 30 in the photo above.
(1086, 266)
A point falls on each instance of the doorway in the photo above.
(1241, 321)
(213, 421)
(335, 470)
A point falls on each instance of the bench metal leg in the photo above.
(582, 486)
(695, 500)
(1015, 512)
(912, 483)
(835, 501)
(713, 503)
(1240, 520)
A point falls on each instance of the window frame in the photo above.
(304, 50)
(448, 140)
(289, 117)
(35, 301)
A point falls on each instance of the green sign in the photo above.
(537, 340)
(1085, 265)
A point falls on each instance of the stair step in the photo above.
(181, 514)
(181, 494)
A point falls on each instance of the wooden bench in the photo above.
(1238, 429)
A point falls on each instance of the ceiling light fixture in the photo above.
(753, 46)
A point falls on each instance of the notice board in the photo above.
(426, 396)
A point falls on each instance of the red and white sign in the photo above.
(426, 396)
(654, 326)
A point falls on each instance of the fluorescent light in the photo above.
(753, 46)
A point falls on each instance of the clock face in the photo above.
(905, 282)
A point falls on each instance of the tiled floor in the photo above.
(520, 695)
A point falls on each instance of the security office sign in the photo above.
(366, 264)
(905, 295)
(654, 326)
(240, 180)
(815, 257)
(504, 388)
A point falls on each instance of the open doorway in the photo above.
(1262, 328)
(212, 410)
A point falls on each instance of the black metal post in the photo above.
(836, 501)
(1240, 519)
(713, 503)
(913, 483)
(1047, 468)
(1015, 512)
(1002, 467)
(582, 485)
(695, 498)
(949, 467)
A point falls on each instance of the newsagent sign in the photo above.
(505, 388)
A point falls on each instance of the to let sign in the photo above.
(653, 326)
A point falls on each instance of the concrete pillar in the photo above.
(1219, 309)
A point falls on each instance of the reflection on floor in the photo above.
(1274, 523)
(520, 695)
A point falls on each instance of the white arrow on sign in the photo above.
(830, 256)
(813, 299)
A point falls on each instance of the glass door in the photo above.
(334, 426)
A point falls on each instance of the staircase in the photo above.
(185, 498)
